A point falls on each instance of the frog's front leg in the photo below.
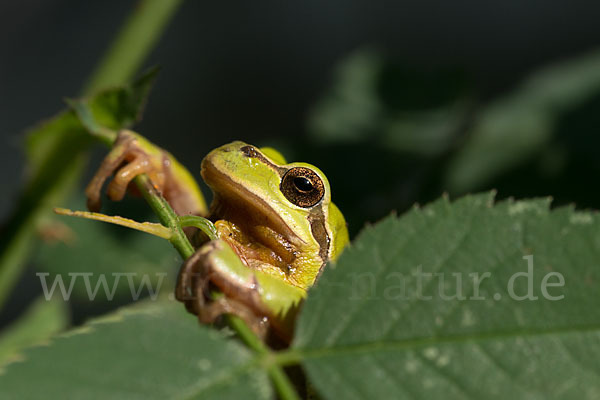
(263, 301)
(132, 155)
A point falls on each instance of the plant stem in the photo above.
(166, 215)
(201, 223)
(280, 380)
(135, 40)
(282, 383)
(179, 240)
(288, 357)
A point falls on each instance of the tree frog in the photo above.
(277, 227)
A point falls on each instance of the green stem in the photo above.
(166, 215)
(280, 380)
(247, 335)
(133, 43)
(282, 383)
(288, 357)
(201, 223)
(169, 218)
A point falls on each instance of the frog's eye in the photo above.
(302, 187)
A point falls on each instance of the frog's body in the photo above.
(277, 219)
(268, 230)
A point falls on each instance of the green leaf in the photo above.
(153, 350)
(42, 320)
(56, 154)
(352, 109)
(122, 107)
(513, 128)
(367, 330)
(373, 100)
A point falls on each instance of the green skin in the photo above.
(249, 201)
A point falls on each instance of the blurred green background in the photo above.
(397, 102)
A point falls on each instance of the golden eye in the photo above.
(302, 187)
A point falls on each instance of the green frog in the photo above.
(276, 224)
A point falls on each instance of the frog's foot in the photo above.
(222, 305)
(193, 284)
(198, 278)
(128, 158)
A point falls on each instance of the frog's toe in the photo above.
(183, 289)
(111, 162)
(127, 159)
(94, 188)
(210, 312)
(123, 177)
(197, 277)
(92, 193)
(192, 284)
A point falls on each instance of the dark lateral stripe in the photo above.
(253, 152)
(316, 218)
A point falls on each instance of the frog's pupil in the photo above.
(302, 187)
(303, 184)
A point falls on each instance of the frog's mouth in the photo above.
(252, 227)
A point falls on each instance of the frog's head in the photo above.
(277, 216)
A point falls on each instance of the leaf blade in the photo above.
(151, 350)
(378, 342)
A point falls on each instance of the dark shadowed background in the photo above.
(398, 102)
